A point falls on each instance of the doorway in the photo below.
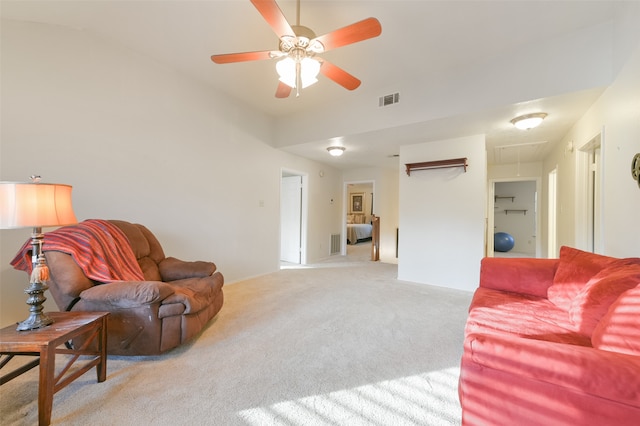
(358, 210)
(293, 214)
(552, 239)
(513, 209)
(589, 223)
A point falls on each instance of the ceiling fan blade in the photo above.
(362, 30)
(283, 90)
(275, 18)
(339, 75)
(243, 57)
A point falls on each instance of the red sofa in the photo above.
(553, 341)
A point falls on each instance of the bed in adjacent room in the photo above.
(359, 228)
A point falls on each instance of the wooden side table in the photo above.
(47, 342)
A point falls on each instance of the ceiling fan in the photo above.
(298, 65)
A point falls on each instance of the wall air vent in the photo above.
(335, 244)
(385, 100)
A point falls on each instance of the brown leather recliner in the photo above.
(174, 302)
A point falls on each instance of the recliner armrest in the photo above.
(172, 269)
(195, 294)
(127, 294)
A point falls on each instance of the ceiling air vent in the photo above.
(389, 99)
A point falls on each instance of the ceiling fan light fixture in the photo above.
(309, 70)
(300, 45)
(316, 46)
(528, 121)
(336, 151)
(287, 70)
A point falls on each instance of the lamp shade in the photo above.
(26, 205)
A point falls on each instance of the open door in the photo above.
(291, 219)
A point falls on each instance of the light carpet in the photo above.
(341, 343)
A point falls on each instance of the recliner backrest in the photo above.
(145, 246)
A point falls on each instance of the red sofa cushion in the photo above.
(576, 268)
(502, 312)
(599, 373)
(595, 298)
(619, 329)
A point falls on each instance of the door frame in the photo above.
(552, 213)
(491, 211)
(589, 230)
(284, 172)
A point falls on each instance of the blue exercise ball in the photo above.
(502, 242)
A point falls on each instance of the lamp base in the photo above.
(37, 319)
(34, 321)
(39, 274)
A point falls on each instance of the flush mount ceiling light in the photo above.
(528, 121)
(336, 151)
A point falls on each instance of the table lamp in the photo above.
(35, 205)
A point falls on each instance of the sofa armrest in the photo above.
(126, 294)
(172, 269)
(605, 374)
(519, 275)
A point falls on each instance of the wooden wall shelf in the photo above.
(503, 197)
(507, 211)
(441, 164)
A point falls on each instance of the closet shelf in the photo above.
(440, 164)
(507, 211)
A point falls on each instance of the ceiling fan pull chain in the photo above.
(298, 79)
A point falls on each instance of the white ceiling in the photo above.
(421, 42)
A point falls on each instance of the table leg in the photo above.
(101, 368)
(46, 385)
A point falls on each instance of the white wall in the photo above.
(141, 142)
(442, 214)
(505, 172)
(618, 113)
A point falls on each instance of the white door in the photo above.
(291, 219)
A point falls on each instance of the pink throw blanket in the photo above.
(99, 248)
